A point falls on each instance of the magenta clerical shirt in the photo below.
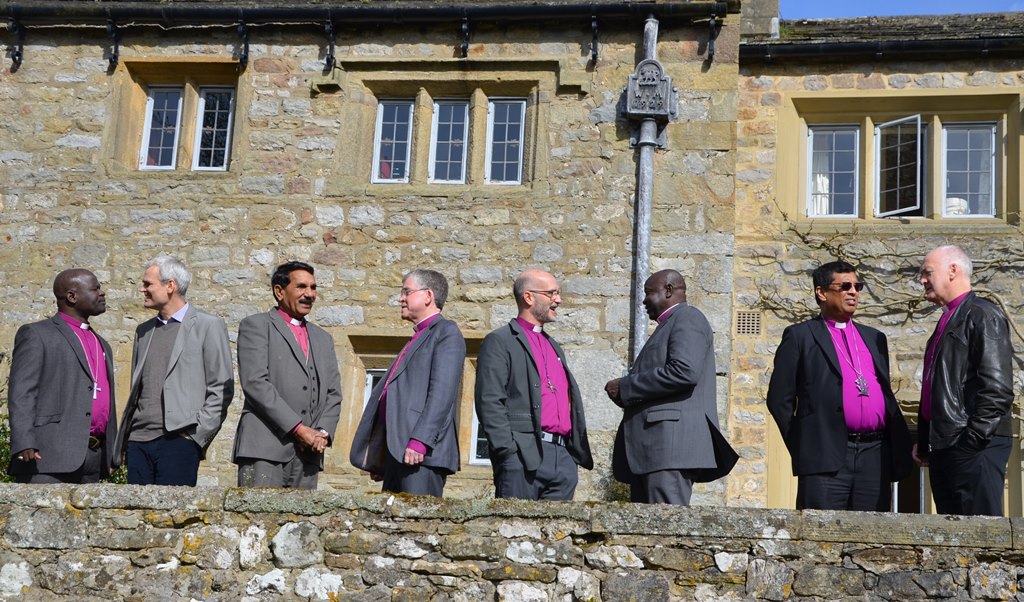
(554, 383)
(298, 328)
(925, 410)
(864, 414)
(418, 328)
(97, 361)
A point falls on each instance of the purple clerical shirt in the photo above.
(554, 383)
(925, 410)
(97, 361)
(418, 328)
(864, 414)
(298, 328)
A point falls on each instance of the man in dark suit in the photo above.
(669, 436)
(831, 397)
(527, 400)
(182, 382)
(289, 375)
(61, 390)
(407, 435)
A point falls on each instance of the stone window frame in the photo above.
(135, 77)
(801, 111)
(423, 142)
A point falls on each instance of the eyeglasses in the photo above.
(551, 294)
(845, 286)
(405, 292)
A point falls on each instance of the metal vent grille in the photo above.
(748, 322)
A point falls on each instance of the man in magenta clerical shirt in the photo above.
(831, 397)
(966, 391)
(61, 405)
(527, 400)
(406, 437)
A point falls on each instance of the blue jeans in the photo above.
(168, 460)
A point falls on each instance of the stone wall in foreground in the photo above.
(213, 543)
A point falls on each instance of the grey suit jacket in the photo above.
(508, 399)
(422, 402)
(200, 381)
(281, 389)
(50, 399)
(670, 418)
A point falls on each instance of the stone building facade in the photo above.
(847, 83)
(309, 175)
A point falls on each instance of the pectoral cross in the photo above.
(862, 385)
(95, 389)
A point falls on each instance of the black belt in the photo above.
(95, 442)
(553, 438)
(866, 437)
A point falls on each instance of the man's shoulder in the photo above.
(203, 316)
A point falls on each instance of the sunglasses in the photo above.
(845, 286)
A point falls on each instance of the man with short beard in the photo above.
(527, 400)
(61, 390)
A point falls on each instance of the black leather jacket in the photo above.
(972, 379)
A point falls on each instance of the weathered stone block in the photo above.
(297, 545)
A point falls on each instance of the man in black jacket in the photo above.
(966, 391)
(831, 397)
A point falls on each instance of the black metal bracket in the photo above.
(18, 53)
(115, 38)
(593, 42)
(465, 36)
(243, 53)
(713, 29)
(329, 60)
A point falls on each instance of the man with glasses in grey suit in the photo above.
(407, 436)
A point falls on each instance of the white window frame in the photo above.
(368, 383)
(917, 171)
(200, 114)
(147, 126)
(374, 177)
(992, 172)
(856, 171)
(472, 445)
(433, 140)
(490, 140)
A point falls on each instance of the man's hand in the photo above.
(412, 457)
(311, 438)
(918, 459)
(28, 455)
(612, 389)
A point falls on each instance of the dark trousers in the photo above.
(168, 460)
(414, 480)
(970, 481)
(554, 479)
(263, 473)
(863, 483)
(661, 487)
(88, 472)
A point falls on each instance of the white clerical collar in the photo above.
(84, 326)
(836, 324)
(538, 328)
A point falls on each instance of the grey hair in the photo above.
(435, 281)
(953, 254)
(172, 268)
